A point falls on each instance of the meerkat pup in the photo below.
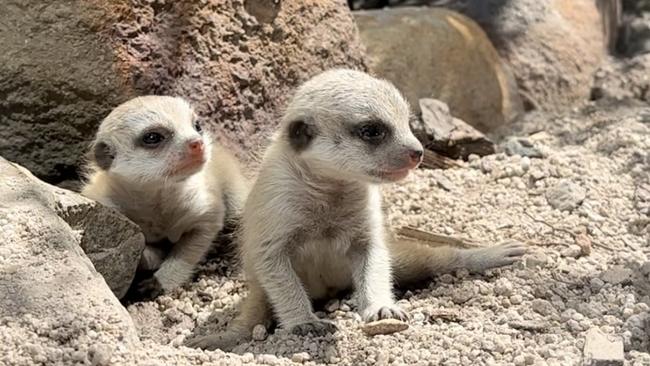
(313, 223)
(152, 161)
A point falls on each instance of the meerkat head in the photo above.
(149, 139)
(347, 124)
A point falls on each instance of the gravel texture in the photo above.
(536, 312)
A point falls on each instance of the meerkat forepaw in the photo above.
(316, 327)
(149, 288)
(384, 312)
(498, 256)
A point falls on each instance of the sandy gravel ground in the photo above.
(596, 166)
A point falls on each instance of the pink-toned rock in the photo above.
(67, 63)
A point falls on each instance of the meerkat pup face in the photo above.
(347, 124)
(151, 138)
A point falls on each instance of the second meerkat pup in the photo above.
(152, 161)
(313, 223)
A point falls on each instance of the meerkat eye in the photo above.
(372, 132)
(152, 139)
(197, 126)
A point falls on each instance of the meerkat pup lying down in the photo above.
(152, 161)
(313, 224)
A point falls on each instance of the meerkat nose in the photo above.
(416, 156)
(195, 147)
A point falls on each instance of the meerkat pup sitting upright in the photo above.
(313, 224)
(152, 161)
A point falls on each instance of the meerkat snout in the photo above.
(350, 125)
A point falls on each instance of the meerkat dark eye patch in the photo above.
(153, 138)
(197, 127)
(300, 135)
(372, 132)
(103, 155)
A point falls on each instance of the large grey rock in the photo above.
(66, 63)
(55, 308)
(440, 54)
(112, 242)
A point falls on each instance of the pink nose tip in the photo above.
(196, 147)
(416, 156)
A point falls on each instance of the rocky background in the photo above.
(537, 110)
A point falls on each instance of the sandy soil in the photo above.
(596, 165)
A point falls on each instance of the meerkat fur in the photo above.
(313, 224)
(152, 161)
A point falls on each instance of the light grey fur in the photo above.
(186, 207)
(313, 223)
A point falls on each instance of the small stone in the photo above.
(565, 195)
(516, 299)
(442, 180)
(418, 317)
(529, 325)
(300, 357)
(333, 305)
(596, 284)
(503, 287)
(543, 307)
(521, 146)
(445, 314)
(384, 326)
(603, 350)
(268, 359)
(259, 332)
(617, 275)
(462, 295)
(537, 259)
(573, 251)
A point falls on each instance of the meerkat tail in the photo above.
(414, 261)
(255, 309)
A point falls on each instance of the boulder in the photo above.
(440, 54)
(55, 308)
(111, 241)
(553, 47)
(66, 63)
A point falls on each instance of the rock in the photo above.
(437, 53)
(463, 295)
(529, 325)
(67, 63)
(603, 350)
(439, 131)
(111, 241)
(565, 195)
(503, 287)
(444, 314)
(56, 299)
(259, 332)
(536, 259)
(300, 357)
(521, 146)
(384, 326)
(553, 47)
(332, 305)
(543, 307)
(617, 275)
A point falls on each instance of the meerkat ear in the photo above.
(300, 135)
(102, 154)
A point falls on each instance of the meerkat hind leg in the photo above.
(414, 261)
(255, 309)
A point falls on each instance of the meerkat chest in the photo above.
(169, 217)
